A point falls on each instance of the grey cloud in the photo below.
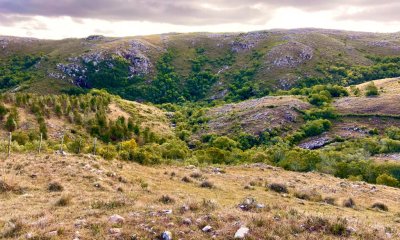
(184, 12)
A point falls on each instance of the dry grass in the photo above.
(255, 116)
(278, 216)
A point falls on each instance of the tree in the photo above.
(387, 179)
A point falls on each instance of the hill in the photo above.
(198, 66)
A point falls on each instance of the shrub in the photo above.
(316, 127)
(55, 187)
(319, 99)
(308, 195)
(393, 133)
(380, 206)
(196, 175)
(278, 187)
(329, 200)
(386, 179)
(371, 90)
(224, 143)
(206, 184)
(186, 179)
(349, 203)
(339, 228)
(7, 187)
(63, 201)
(166, 199)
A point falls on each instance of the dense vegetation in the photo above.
(17, 69)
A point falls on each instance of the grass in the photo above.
(218, 208)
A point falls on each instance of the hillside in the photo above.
(198, 66)
(85, 197)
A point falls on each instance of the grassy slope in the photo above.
(99, 189)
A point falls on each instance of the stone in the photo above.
(167, 235)
(241, 232)
(187, 221)
(115, 231)
(116, 219)
(52, 233)
(29, 235)
(207, 228)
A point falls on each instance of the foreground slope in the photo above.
(54, 197)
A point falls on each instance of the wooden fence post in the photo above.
(40, 143)
(9, 144)
(94, 146)
(62, 143)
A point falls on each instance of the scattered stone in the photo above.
(29, 236)
(167, 212)
(241, 232)
(79, 223)
(116, 219)
(187, 221)
(52, 233)
(167, 235)
(115, 231)
(207, 228)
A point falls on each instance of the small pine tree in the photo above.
(11, 123)
(371, 90)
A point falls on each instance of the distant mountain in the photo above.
(198, 66)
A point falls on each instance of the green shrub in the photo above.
(371, 90)
(386, 179)
(224, 143)
(316, 127)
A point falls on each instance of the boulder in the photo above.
(116, 219)
(241, 232)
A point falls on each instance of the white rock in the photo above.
(116, 219)
(52, 234)
(167, 235)
(207, 228)
(115, 231)
(241, 232)
(29, 236)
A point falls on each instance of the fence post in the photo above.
(62, 143)
(94, 146)
(40, 143)
(79, 146)
(9, 143)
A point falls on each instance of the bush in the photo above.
(224, 143)
(308, 195)
(278, 187)
(371, 90)
(349, 203)
(166, 199)
(388, 180)
(329, 200)
(380, 206)
(207, 184)
(55, 187)
(63, 201)
(316, 127)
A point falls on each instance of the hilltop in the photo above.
(198, 66)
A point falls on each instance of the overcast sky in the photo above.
(57, 19)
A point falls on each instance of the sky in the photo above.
(57, 19)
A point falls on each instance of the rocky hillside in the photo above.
(177, 67)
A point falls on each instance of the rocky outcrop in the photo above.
(76, 71)
(289, 55)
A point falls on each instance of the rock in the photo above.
(167, 212)
(52, 233)
(115, 231)
(116, 219)
(241, 232)
(207, 228)
(79, 223)
(187, 221)
(29, 236)
(167, 235)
